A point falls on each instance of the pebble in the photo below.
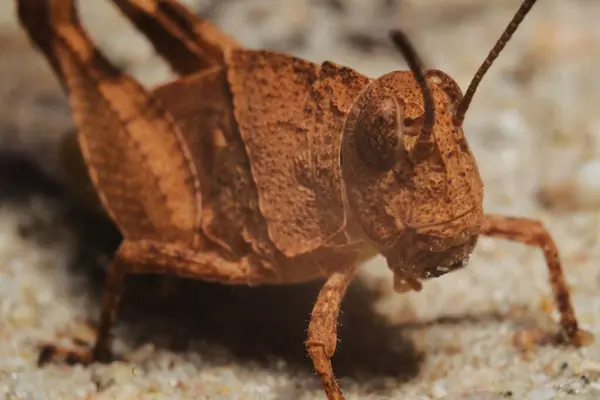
(542, 394)
(581, 191)
(480, 395)
(590, 368)
(587, 190)
(438, 390)
(24, 315)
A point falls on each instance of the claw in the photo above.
(82, 353)
(55, 354)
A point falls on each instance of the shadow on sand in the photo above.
(253, 324)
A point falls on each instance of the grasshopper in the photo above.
(259, 168)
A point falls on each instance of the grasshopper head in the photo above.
(411, 180)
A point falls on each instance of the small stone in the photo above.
(595, 387)
(280, 364)
(119, 374)
(580, 191)
(142, 353)
(438, 390)
(590, 368)
(82, 333)
(24, 315)
(541, 394)
(588, 184)
(479, 395)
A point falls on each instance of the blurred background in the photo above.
(534, 127)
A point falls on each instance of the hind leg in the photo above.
(115, 116)
(187, 42)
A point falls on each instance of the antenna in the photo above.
(463, 106)
(416, 66)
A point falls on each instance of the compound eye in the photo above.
(380, 132)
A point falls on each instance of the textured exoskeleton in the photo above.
(255, 167)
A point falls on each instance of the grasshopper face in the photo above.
(417, 195)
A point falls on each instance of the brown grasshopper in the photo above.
(259, 168)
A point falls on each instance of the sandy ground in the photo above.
(534, 127)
